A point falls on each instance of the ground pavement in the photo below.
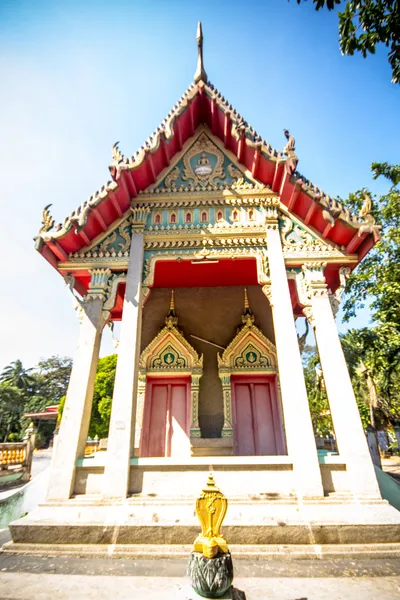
(62, 578)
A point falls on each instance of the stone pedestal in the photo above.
(210, 577)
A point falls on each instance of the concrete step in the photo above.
(239, 552)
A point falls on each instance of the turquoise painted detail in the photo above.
(211, 161)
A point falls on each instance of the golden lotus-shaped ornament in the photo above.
(211, 507)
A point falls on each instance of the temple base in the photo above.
(142, 523)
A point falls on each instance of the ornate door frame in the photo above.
(169, 355)
(249, 353)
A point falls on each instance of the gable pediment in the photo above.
(170, 352)
(250, 350)
(203, 166)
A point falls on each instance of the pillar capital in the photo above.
(267, 291)
(98, 283)
(138, 218)
(271, 206)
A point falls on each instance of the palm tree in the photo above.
(15, 375)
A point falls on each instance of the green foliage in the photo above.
(11, 409)
(102, 398)
(16, 376)
(365, 23)
(373, 359)
(31, 390)
(378, 275)
(317, 398)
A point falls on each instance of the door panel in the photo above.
(244, 431)
(166, 420)
(264, 424)
(178, 438)
(254, 420)
(158, 411)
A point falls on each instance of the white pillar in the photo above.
(351, 440)
(300, 439)
(123, 410)
(72, 436)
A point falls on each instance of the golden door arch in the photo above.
(252, 407)
(168, 394)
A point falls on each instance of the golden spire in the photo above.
(246, 300)
(247, 316)
(200, 74)
(171, 320)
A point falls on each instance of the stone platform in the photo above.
(83, 524)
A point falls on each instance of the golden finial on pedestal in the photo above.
(171, 320)
(211, 507)
(247, 316)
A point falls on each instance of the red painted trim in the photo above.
(132, 185)
(57, 250)
(256, 162)
(310, 212)
(99, 219)
(295, 194)
(241, 147)
(151, 168)
(214, 117)
(164, 147)
(191, 119)
(178, 133)
(328, 228)
(355, 242)
(115, 204)
(83, 236)
(227, 130)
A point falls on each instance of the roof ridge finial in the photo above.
(172, 302)
(200, 74)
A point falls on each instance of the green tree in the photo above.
(52, 378)
(365, 23)
(372, 358)
(317, 398)
(377, 278)
(11, 410)
(16, 375)
(102, 397)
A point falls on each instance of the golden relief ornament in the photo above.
(203, 173)
(296, 240)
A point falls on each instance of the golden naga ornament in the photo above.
(211, 507)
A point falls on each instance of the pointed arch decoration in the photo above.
(169, 354)
(250, 351)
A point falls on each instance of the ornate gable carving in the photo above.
(250, 350)
(204, 167)
(299, 240)
(114, 244)
(170, 352)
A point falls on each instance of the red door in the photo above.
(257, 418)
(166, 418)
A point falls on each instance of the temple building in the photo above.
(206, 245)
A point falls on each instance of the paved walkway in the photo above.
(23, 578)
(41, 459)
(392, 466)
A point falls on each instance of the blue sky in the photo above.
(77, 76)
